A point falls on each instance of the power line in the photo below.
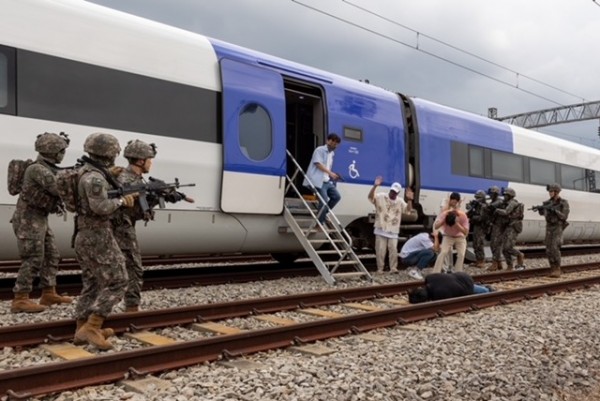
(518, 74)
(364, 28)
(596, 3)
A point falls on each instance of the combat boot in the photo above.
(107, 332)
(521, 259)
(134, 308)
(480, 264)
(555, 271)
(509, 265)
(22, 303)
(50, 297)
(495, 266)
(91, 333)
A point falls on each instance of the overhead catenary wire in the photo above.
(517, 74)
(431, 54)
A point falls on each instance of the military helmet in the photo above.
(103, 145)
(51, 143)
(553, 187)
(139, 150)
(494, 190)
(510, 192)
(480, 194)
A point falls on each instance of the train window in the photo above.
(7, 80)
(476, 165)
(58, 89)
(354, 134)
(572, 177)
(541, 172)
(256, 132)
(506, 166)
(3, 80)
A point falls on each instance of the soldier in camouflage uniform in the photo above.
(35, 239)
(497, 225)
(513, 226)
(139, 155)
(479, 222)
(556, 215)
(102, 263)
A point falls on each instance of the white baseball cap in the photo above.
(396, 187)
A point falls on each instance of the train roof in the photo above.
(94, 34)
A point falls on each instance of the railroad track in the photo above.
(70, 284)
(239, 271)
(372, 307)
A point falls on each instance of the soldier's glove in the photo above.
(128, 200)
(174, 197)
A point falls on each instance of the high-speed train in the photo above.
(223, 118)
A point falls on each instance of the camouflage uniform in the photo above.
(123, 222)
(556, 221)
(35, 240)
(479, 221)
(497, 224)
(513, 226)
(102, 263)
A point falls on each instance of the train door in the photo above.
(305, 124)
(254, 157)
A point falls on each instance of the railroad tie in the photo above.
(67, 351)
(149, 338)
(217, 328)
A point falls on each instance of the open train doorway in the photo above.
(305, 124)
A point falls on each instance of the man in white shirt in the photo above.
(388, 214)
(419, 250)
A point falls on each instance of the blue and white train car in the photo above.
(223, 117)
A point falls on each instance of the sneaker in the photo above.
(416, 274)
(520, 267)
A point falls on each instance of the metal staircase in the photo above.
(329, 240)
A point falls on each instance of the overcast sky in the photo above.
(515, 55)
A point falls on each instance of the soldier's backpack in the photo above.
(16, 172)
(67, 181)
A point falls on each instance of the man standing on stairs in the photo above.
(37, 246)
(320, 176)
(388, 215)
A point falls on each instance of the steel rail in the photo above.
(33, 381)
(61, 330)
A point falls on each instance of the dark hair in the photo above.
(334, 137)
(418, 295)
(455, 196)
(450, 218)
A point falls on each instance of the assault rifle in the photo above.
(547, 206)
(155, 189)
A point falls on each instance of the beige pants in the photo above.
(446, 250)
(383, 245)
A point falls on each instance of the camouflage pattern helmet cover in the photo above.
(51, 143)
(103, 145)
(553, 187)
(510, 192)
(480, 194)
(494, 190)
(139, 150)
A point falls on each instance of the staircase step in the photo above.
(349, 275)
(342, 263)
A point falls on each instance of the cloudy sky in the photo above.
(514, 55)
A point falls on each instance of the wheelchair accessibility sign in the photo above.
(352, 170)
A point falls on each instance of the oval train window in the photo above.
(256, 132)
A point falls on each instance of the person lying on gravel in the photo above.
(443, 286)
